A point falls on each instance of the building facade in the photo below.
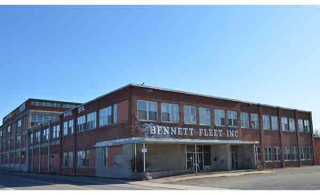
(142, 132)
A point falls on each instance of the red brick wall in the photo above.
(317, 150)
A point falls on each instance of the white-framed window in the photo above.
(244, 120)
(205, 116)
(19, 123)
(276, 154)
(274, 123)
(105, 116)
(56, 131)
(292, 125)
(306, 126)
(105, 152)
(268, 153)
(300, 124)
(190, 115)
(266, 122)
(295, 155)
(92, 120)
(232, 118)
(115, 114)
(81, 123)
(169, 113)
(303, 153)
(254, 118)
(285, 124)
(220, 117)
(45, 135)
(287, 153)
(81, 159)
(71, 128)
(257, 150)
(147, 110)
(65, 128)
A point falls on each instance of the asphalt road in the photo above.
(303, 178)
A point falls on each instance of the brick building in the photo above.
(139, 131)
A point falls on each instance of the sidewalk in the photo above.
(210, 175)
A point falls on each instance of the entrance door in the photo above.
(234, 158)
(199, 158)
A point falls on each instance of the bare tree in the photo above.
(316, 132)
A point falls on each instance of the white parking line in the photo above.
(5, 188)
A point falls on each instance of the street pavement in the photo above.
(300, 178)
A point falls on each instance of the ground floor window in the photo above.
(276, 154)
(105, 152)
(257, 150)
(65, 159)
(295, 156)
(82, 158)
(287, 153)
(268, 153)
(303, 154)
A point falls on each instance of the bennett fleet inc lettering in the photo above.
(159, 130)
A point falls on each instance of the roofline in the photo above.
(215, 97)
(58, 101)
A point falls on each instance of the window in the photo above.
(70, 159)
(285, 125)
(254, 121)
(115, 114)
(9, 131)
(244, 120)
(268, 154)
(303, 154)
(38, 136)
(300, 124)
(266, 122)
(190, 115)
(147, 110)
(31, 138)
(220, 117)
(205, 116)
(81, 123)
(232, 118)
(292, 125)
(105, 116)
(295, 156)
(65, 128)
(258, 153)
(19, 123)
(0, 133)
(65, 159)
(309, 153)
(45, 135)
(306, 126)
(92, 120)
(287, 153)
(70, 129)
(170, 113)
(56, 131)
(81, 159)
(274, 123)
(105, 151)
(276, 154)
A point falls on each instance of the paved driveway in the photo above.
(303, 178)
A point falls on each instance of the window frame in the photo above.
(148, 102)
(104, 115)
(273, 123)
(218, 116)
(264, 122)
(172, 108)
(233, 118)
(189, 108)
(203, 110)
(247, 121)
(253, 122)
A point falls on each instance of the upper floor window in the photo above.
(306, 126)
(292, 125)
(9, 130)
(169, 112)
(115, 114)
(274, 123)
(300, 124)
(205, 116)
(266, 122)
(232, 118)
(81, 123)
(254, 121)
(45, 135)
(38, 134)
(71, 128)
(190, 115)
(285, 125)
(19, 123)
(220, 117)
(56, 131)
(105, 116)
(92, 120)
(244, 120)
(65, 128)
(147, 110)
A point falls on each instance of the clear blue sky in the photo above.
(265, 54)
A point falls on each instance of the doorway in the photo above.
(234, 158)
(199, 160)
